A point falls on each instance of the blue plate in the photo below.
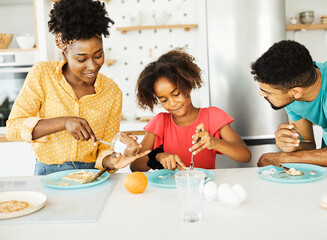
(165, 178)
(54, 180)
(278, 175)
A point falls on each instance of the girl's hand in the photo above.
(170, 161)
(79, 128)
(117, 161)
(202, 140)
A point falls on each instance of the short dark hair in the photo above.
(79, 19)
(177, 66)
(286, 64)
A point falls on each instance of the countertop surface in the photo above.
(271, 211)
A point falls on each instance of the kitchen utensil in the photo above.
(192, 162)
(5, 40)
(26, 41)
(307, 17)
(100, 173)
(104, 142)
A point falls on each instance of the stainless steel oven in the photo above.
(14, 67)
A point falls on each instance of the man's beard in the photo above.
(277, 108)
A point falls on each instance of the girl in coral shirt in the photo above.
(185, 129)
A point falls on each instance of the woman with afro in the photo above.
(65, 106)
(184, 129)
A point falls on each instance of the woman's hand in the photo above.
(79, 128)
(117, 161)
(170, 161)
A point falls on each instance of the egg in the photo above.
(210, 190)
(240, 191)
(323, 202)
(230, 198)
(222, 189)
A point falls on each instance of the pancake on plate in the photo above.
(13, 206)
(81, 177)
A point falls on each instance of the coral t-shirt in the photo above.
(177, 140)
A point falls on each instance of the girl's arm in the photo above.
(230, 144)
(147, 144)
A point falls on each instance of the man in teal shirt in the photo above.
(289, 78)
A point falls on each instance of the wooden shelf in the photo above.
(298, 27)
(109, 62)
(187, 27)
(18, 49)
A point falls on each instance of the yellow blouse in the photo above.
(46, 94)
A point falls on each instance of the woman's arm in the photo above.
(230, 144)
(79, 128)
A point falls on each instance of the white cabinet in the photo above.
(17, 159)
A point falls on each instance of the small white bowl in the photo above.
(26, 41)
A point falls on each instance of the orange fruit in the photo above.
(136, 182)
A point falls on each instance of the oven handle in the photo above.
(15, 70)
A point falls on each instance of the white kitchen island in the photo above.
(271, 211)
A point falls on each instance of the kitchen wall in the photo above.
(314, 40)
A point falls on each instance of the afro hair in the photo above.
(286, 64)
(177, 66)
(79, 19)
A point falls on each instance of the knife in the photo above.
(104, 142)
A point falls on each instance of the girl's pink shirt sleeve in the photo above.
(155, 126)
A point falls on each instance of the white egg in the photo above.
(230, 198)
(210, 190)
(240, 191)
(222, 189)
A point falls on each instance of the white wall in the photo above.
(314, 40)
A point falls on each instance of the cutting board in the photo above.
(63, 205)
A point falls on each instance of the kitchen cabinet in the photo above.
(17, 159)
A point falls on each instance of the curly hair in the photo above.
(177, 66)
(82, 19)
(286, 64)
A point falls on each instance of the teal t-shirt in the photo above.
(316, 110)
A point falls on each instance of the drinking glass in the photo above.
(189, 184)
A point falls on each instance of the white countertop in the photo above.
(271, 211)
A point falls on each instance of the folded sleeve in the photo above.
(155, 126)
(25, 112)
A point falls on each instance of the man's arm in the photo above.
(317, 157)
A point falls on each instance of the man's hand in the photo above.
(272, 159)
(170, 161)
(287, 137)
